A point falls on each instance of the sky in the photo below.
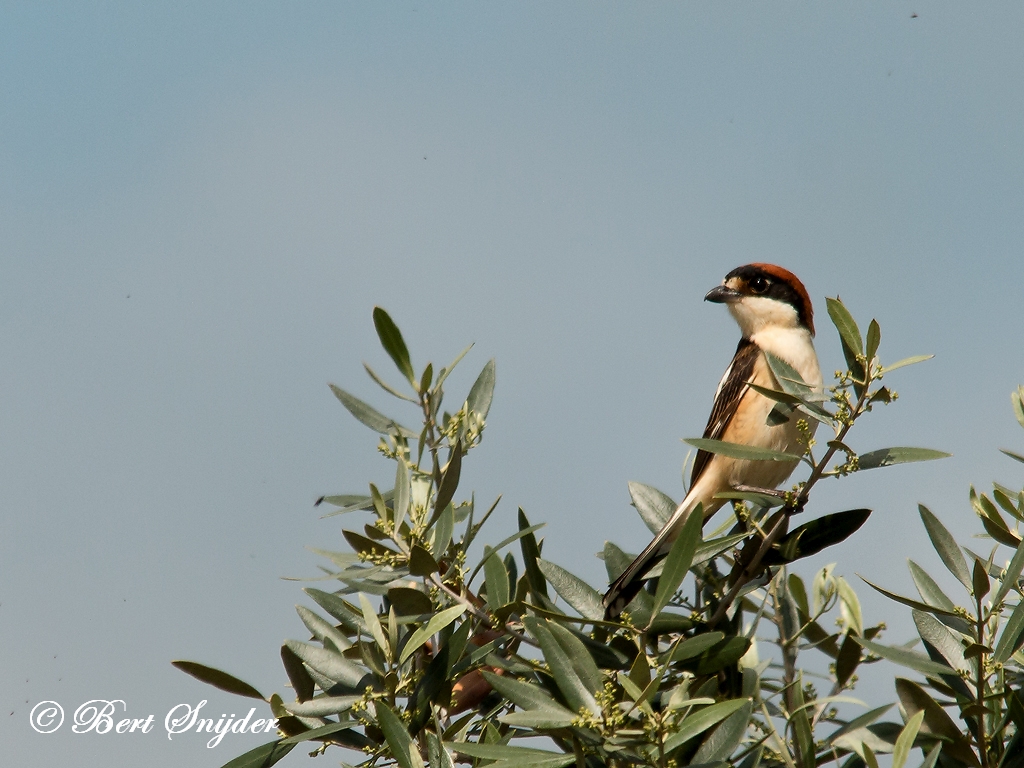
(201, 203)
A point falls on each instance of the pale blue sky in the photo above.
(201, 203)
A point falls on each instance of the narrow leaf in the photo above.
(584, 599)
(262, 756)
(1011, 575)
(907, 361)
(845, 324)
(1017, 400)
(908, 601)
(496, 578)
(905, 741)
(873, 339)
(482, 391)
(929, 590)
(886, 457)
(946, 546)
(737, 451)
(371, 417)
(725, 738)
(655, 507)
(432, 627)
(531, 555)
(385, 386)
(698, 722)
(328, 663)
(218, 679)
(449, 482)
(403, 748)
(1012, 636)
(813, 536)
(678, 561)
(576, 693)
(394, 345)
(907, 658)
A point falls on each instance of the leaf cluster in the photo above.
(428, 650)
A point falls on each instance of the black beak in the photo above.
(722, 295)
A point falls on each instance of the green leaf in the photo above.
(709, 549)
(1012, 636)
(907, 361)
(979, 579)
(531, 554)
(801, 725)
(338, 608)
(905, 741)
(427, 377)
(218, 679)
(441, 535)
(698, 722)
(873, 340)
(496, 578)
(908, 601)
(847, 660)
(569, 683)
(584, 599)
(362, 544)
(374, 625)
(722, 655)
(846, 325)
(328, 663)
(655, 507)
(541, 711)
(1017, 400)
(930, 592)
(993, 522)
(857, 723)
(946, 546)
(323, 706)
(385, 386)
(445, 372)
(936, 723)
(725, 738)
(402, 493)
(369, 416)
(432, 627)
(340, 729)
(409, 602)
(737, 451)
(263, 756)
(449, 482)
(935, 634)
(302, 682)
(815, 535)
(1010, 576)
(692, 647)
(886, 457)
(907, 658)
(678, 561)
(394, 345)
(499, 751)
(1012, 455)
(421, 562)
(580, 658)
(482, 391)
(403, 748)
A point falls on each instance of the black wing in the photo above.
(733, 387)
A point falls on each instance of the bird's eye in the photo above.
(758, 284)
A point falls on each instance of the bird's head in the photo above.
(764, 295)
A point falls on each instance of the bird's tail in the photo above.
(631, 581)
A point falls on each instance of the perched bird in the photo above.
(774, 313)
